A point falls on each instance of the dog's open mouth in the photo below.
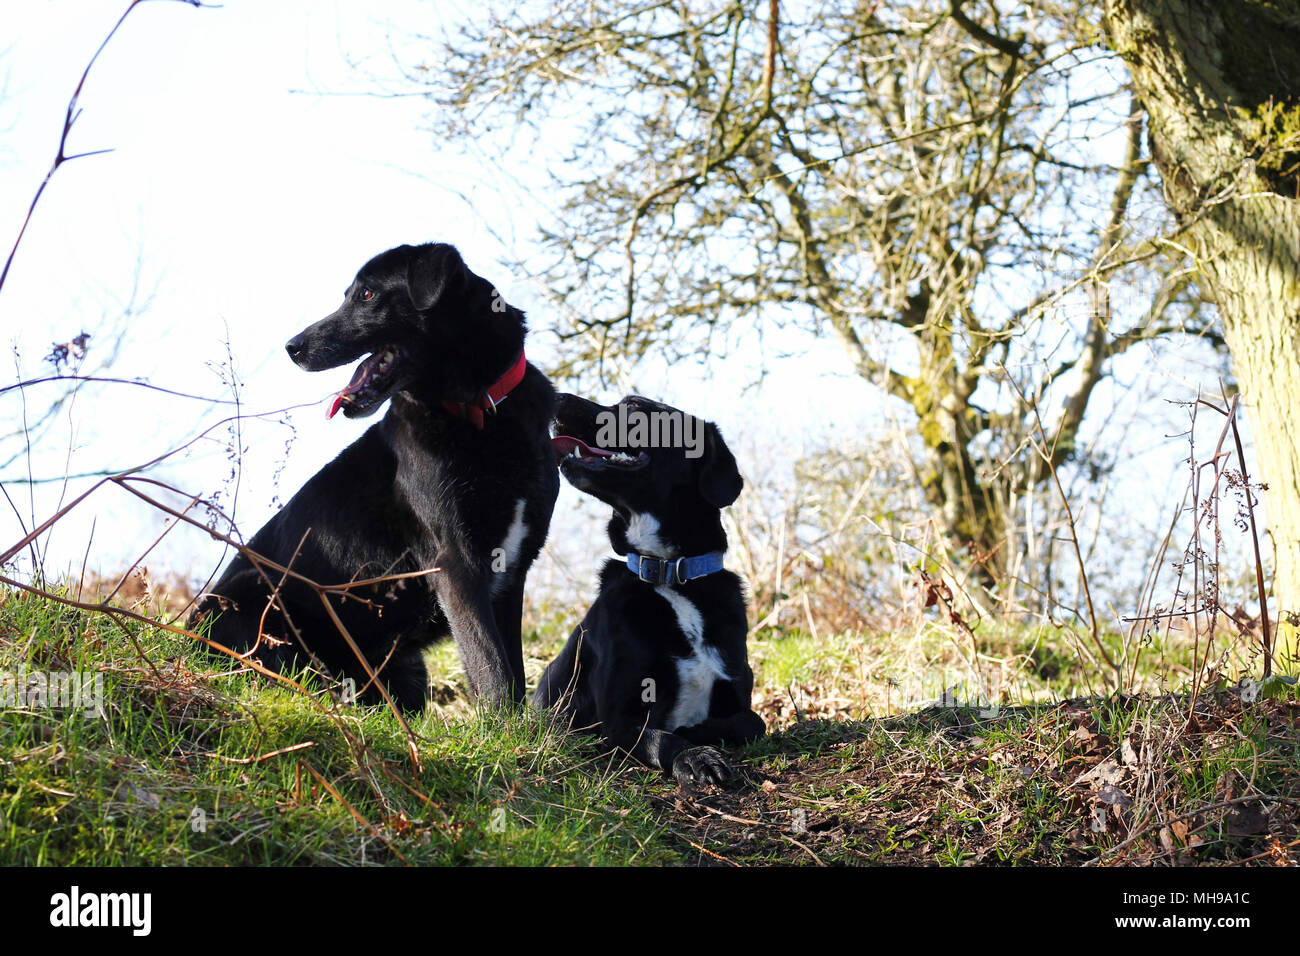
(371, 384)
(566, 447)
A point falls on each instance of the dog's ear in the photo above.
(431, 272)
(719, 480)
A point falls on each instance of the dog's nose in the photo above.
(295, 347)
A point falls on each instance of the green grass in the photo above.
(131, 786)
(846, 775)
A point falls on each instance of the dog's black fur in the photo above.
(421, 489)
(667, 505)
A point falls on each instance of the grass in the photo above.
(194, 763)
(170, 773)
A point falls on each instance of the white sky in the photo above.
(242, 201)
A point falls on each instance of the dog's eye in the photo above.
(366, 295)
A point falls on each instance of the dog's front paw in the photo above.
(700, 765)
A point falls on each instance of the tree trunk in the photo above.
(1221, 85)
(966, 506)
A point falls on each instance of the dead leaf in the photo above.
(1082, 735)
(1128, 754)
(1106, 772)
(1109, 793)
(1167, 840)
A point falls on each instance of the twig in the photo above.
(109, 380)
(769, 55)
(1010, 47)
(1254, 540)
(114, 613)
(1045, 452)
(69, 120)
(709, 852)
(728, 816)
(1269, 852)
(816, 858)
(136, 563)
(379, 685)
(352, 810)
(247, 761)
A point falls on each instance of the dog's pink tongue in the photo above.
(563, 446)
(358, 379)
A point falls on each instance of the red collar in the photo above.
(490, 399)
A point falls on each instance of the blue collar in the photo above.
(673, 570)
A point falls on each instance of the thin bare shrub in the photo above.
(1194, 594)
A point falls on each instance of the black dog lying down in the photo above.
(659, 661)
(459, 475)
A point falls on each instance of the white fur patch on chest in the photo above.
(643, 536)
(697, 672)
(505, 557)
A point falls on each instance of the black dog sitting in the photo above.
(459, 476)
(659, 663)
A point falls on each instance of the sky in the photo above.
(252, 172)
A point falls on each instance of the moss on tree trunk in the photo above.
(1221, 85)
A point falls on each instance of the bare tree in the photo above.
(914, 178)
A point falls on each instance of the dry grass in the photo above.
(1120, 782)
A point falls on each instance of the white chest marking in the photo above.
(506, 556)
(695, 673)
(643, 536)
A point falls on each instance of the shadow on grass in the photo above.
(1123, 780)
